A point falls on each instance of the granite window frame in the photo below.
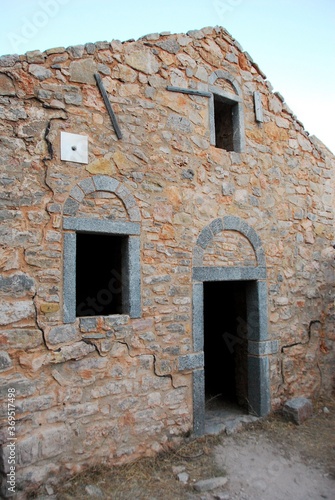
(232, 95)
(237, 118)
(131, 300)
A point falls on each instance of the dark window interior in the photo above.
(224, 129)
(99, 274)
(225, 341)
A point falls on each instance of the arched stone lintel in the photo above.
(226, 76)
(101, 183)
(227, 223)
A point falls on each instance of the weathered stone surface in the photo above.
(83, 71)
(26, 451)
(32, 361)
(5, 361)
(169, 45)
(35, 56)
(64, 334)
(12, 312)
(17, 285)
(76, 51)
(54, 441)
(40, 72)
(180, 123)
(127, 74)
(9, 60)
(22, 385)
(101, 166)
(298, 409)
(6, 85)
(304, 143)
(210, 484)
(21, 338)
(191, 361)
(233, 427)
(42, 257)
(74, 98)
(70, 207)
(49, 308)
(77, 350)
(142, 60)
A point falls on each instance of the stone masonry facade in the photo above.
(110, 388)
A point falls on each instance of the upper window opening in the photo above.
(99, 274)
(224, 123)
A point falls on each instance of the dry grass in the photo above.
(154, 478)
(149, 477)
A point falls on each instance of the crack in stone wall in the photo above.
(305, 372)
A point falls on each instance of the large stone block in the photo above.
(55, 440)
(142, 60)
(63, 334)
(9, 60)
(191, 361)
(77, 350)
(6, 85)
(22, 385)
(171, 46)
(12, 312)
(17, 285)
(179, 123)
(298, 409)
(15, 238)
(25, 452)
(40, 72)
(42, 257)
(21, 338)
(83, 71)
(33, 361)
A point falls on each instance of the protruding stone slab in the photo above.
(298, 410)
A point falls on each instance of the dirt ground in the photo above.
(271, 459)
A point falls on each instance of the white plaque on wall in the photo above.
(73, 147)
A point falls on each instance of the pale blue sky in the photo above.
(293, 41)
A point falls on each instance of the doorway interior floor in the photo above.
(225, 416)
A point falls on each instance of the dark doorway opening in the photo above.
(99, 265)
(225, 343)
(224, 123)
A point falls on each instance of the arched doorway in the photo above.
(230, 318)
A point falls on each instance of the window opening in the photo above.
(224, 123)
(99, 274)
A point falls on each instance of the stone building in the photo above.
(166, 233)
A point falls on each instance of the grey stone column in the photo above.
(199, 402)
(69, 278)
(258, 385)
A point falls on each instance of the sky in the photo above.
(292, 41)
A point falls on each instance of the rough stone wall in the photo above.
(111, 389)
(229, 248)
